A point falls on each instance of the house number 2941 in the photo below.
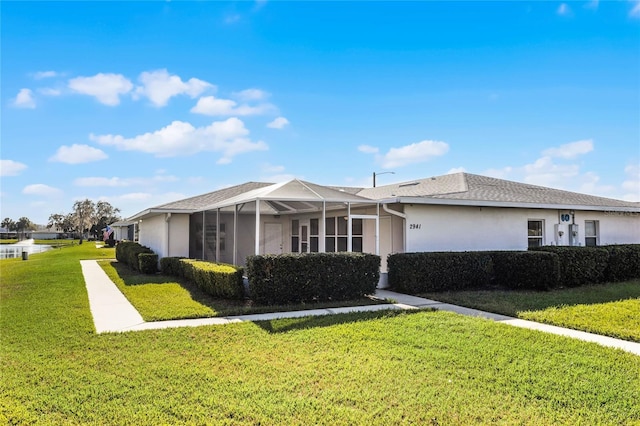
(415, 226)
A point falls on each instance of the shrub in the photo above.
(580, 265)
(624, 262)
(127, 252)
(440, 271)
(293, 278)
(216, 279)
(172, 266)
(148, 263)
(436, 271)
(526, 270)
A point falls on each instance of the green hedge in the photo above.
(580, 265)
(439, 271)
(436, 271)
(148, 263)
(525, 270)
(296, 278)
(127, 252)
(219, 280)
(624, 262)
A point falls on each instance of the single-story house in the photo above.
(455, 212)
(123, 230)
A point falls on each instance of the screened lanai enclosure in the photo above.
(291, 217)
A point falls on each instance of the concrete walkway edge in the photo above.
(112, 312)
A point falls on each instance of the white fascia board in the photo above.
(232, 202)
(155, 212)
(481, 203)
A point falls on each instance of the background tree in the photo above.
(8, 223)
(82, 216)
(105, 214)
(23, 225)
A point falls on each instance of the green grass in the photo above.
(358, 369)
(163, 297)
(609, 309)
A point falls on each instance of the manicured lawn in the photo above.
(163, 297)
(371, 368)
(608, 309)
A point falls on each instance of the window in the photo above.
(314, 231)
(337, 235)
(295, 236)
(535, 233)
(591, 233)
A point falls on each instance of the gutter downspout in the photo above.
(167, 220)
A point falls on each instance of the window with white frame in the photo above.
(535, 233)
(591, 233)
(336, 234)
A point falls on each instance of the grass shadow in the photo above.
(292, 324)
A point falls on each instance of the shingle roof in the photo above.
(476, 188)
(210, 198)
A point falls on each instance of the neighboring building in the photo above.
(457, 212)
(45, 235)
(124, 230)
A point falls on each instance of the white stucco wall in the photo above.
(166, 239)
(461, 228)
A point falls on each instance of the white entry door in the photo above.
(272, 238)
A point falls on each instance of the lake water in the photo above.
(8, 251)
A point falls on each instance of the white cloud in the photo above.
(545, 172)
(229, 137)
(159, 86)
(570, 150)
(24, 99)
(414, 153)
(564, 10)
(502, 173)
(456, 170)
(135, 196)
(44, 74)
(106, 88)
(278, 123)
(635, 10)
(122, 182)
(251, 95)
(232, 18)
(210, 105)
(78, 154)
(48, 91)
(41, 189)
(368, 149)
(11, 168)
(593, 4)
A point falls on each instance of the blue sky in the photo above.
(143, 103)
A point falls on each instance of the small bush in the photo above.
(580, 265)
(127, 252)
(526, 270)
(148, 263)
(218, 280)
(293, 278)
(624, 262)
(437, 271)
(450, 271)
(172, 266)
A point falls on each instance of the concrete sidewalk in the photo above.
(112, 312)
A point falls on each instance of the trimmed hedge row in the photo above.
(218, 280)
(438, 271)
(297, 278)
(129, 252)
(580, 265)
(540, 268)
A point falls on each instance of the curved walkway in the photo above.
(112, 312)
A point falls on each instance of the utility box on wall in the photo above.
(573, 235)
